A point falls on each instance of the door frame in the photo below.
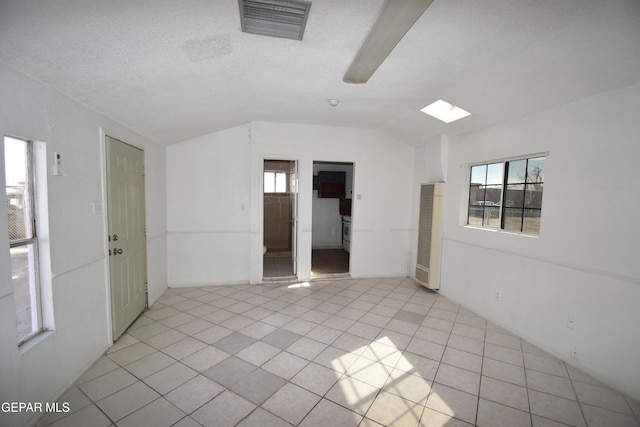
(295, 205)
(354, 197)
(105, 225)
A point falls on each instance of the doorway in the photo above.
(332, 223)
(280, 192)
(126, 225)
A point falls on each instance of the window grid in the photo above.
(23, 239)
(511, 203)
(275, 182)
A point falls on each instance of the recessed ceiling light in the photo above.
(334, 102)
(444, 111)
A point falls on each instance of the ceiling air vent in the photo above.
(276, 18)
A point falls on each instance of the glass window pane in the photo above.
(493, 195)
(269, 182)
(15, 156)
(478, 174)
(477, 189)
(517, 171)
(492, 216)
(514, 196)
(512, 219)
(17, 217)
(531, 221)
(476, 216)
(477, 193)
(25, 290)
(485, 195)
(533, 196)
(535, 170)
(495, 173)
(15, 152)
(281, 182)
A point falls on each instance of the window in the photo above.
(275, 182)
(507, 195)
(23, 236)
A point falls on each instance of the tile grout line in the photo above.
(342, 297)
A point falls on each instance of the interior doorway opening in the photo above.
(332, 223)
(280, 192)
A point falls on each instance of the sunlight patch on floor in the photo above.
(375, 388)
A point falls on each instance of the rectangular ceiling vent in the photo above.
(275, 18)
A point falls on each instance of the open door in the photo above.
(280, 219)
(294, 216)
(126, 228)
(331, 218)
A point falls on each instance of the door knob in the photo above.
(117, 251)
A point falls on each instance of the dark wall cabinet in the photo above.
(330, 184)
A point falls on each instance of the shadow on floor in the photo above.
(329, 261)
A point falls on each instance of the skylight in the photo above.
(444, 111)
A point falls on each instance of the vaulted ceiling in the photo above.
(172, 70)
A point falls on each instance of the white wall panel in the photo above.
(31, 110)
(584, 262)
(215, 199)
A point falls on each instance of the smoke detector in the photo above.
(275, 18)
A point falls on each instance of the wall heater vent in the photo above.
(430, 235)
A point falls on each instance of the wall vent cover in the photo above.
(275, 18)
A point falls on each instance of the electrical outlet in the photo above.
(570, 322)
(574, 352)
(497, 296)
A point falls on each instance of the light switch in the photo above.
(97, 207)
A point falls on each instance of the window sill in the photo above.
(495, 230)
(477, 227)
(33, 342)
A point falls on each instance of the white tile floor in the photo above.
(345, 353)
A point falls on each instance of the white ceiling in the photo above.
(172, 70)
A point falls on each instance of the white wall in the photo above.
(585, 261)
(430, 165)
(80, 295)
(381, 220)
(208, 191)
(215, 199)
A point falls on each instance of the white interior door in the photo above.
(126, 223)
(294, 216)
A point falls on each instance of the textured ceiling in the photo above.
(173, 70)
